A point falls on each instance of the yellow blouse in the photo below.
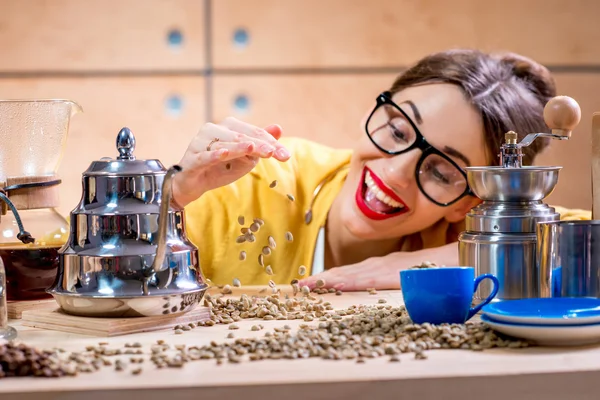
(212, 220)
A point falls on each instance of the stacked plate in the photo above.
(557, 321)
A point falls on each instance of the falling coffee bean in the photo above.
(261, 260)
(269, 270)
(266, 250)
(254, 227)
(272, 243)
(236, 282)
(240, 239)
(242, 255)
(289, 237)
(291, 197)
(302, 270)
(241, 220)
(259, 221)
(273, 184)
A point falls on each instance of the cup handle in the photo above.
(478, 280)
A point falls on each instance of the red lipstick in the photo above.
(368, 211)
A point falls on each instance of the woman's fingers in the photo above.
(332, 278)
(274, 130)
(261, 135)
(221, 152)
(206, 140)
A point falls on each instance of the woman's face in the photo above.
(381, 198)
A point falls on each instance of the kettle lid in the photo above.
(125, 164)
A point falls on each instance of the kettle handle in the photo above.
(161, 236)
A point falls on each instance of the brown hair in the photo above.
(508, 90)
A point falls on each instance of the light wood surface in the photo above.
(100, 35)
(540, 373)
(110, 103)
(380, 33)
(55, 319)
(15, 308)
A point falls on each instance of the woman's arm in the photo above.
(382, 272)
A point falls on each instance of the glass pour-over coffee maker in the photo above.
(32, 140)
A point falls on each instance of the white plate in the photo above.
(548, 335)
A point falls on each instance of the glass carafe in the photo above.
(33, 135)
(6, 332)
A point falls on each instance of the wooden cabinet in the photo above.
(163, 67)
(574, 182)
(101, 35)
(330, 109)
(382, 33)
(164, 114)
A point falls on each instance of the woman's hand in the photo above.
(236, 152)
(376, 272)
(381, 272)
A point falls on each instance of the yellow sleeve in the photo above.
(212, 220)
(573, 214)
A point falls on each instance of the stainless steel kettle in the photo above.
(127, 254)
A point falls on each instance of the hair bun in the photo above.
(532, 72)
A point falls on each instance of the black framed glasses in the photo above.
(393, 132)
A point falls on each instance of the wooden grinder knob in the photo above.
(562, 114)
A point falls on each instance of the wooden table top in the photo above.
(532, 373)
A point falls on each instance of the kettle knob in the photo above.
(125, 144)
(562, 114)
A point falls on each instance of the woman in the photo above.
(398, 198)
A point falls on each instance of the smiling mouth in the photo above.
(376, 200)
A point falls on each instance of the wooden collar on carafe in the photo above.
(31, 192)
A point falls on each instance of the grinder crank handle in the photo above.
(596, 165)
(562, 114)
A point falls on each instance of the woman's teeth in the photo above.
(384, 198)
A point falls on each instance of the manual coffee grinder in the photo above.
(33, 135)
(500, 235)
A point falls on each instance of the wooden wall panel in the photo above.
(380, 33)
(574, 182)
(329, 109)
(325, 108)
(110, 104)
(107, 35)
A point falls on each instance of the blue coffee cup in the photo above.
(442, 295)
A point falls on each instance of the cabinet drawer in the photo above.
(107, 35)
(164, 114)
(325, 108)
(379, 33)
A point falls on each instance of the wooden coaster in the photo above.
(57, 320)
(16, 308)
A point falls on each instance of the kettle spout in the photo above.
(165, 201)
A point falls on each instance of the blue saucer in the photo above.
(553, 311)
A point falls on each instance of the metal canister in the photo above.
(568, 255)
(500, 239)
